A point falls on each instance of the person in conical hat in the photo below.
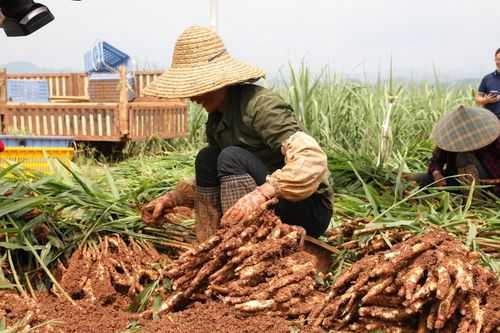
(468, 143)
(257, 153)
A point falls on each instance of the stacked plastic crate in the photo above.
(33, 152)
(102, 62)
(36, 152)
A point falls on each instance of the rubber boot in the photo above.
(232, 188)
(207, 211)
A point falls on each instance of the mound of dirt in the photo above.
(95, 318)
(52, 314)
(216, 317)
(85, 317)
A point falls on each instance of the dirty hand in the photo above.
(153, 211)
(250, 205)
(439, 178)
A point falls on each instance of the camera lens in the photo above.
(16, 8)
(23, 17)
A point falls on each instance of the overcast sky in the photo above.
(458, 37)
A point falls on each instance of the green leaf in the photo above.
(368, 193)
(20, 204)
(8, 169)
(79, 180)
(111, 183)
(15, 246)
(471, 235)
(167, 284)
(156, 307)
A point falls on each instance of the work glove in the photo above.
(248, 207)
(183, 195)
(439, 178)
(154, 211)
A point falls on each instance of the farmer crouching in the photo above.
(256, 151)
(468, 148)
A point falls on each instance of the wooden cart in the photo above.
(104, 122)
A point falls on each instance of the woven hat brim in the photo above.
(456, 133)
(185, 82)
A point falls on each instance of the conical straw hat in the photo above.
(200, 64)
(466, 129)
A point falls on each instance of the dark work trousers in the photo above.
(212, 164)
(463, 159)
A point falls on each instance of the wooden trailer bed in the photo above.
(136, 120)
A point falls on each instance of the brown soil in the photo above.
(256, 278)
(492, 310)
(91, 318)
(63, 316)
(216, 317)
(84, 317)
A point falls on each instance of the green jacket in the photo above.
(256, 119)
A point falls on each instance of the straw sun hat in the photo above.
(200, 64)
(466, 129)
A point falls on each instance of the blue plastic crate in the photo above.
(37, 141)
(103, 57)
(28, 91)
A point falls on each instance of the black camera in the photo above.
(23, 17)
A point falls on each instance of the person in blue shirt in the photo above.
(488, 95)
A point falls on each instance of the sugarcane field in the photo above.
(342, 177)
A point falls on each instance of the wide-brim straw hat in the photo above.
(466, 129)
(200, 64)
